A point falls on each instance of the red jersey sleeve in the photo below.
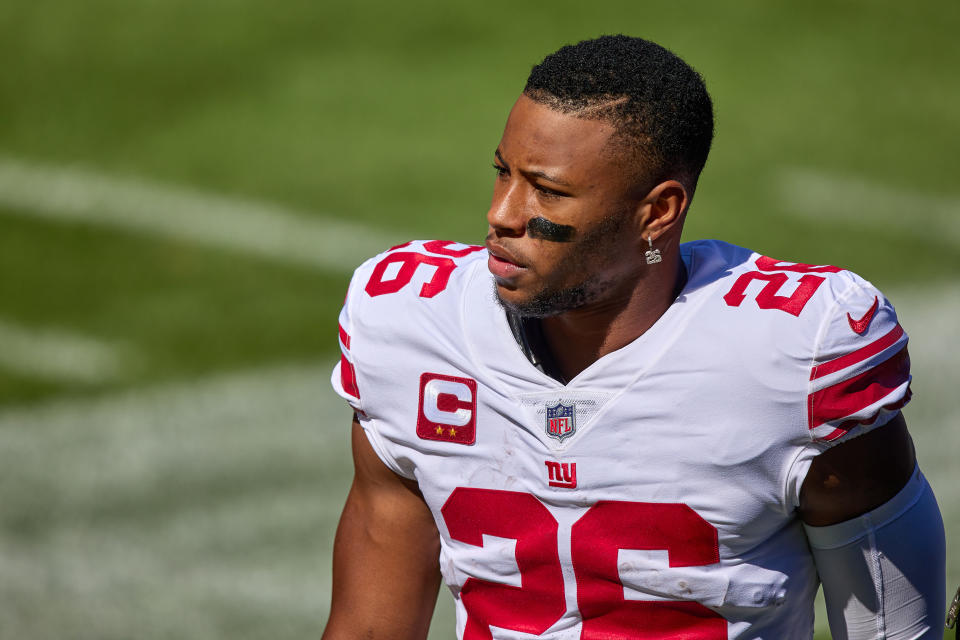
(860, 374)
(344, 376)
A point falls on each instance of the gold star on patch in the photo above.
(453, 432)
(439, 431)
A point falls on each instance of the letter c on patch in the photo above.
(447, 408)
(447, 402)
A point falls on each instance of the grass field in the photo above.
(185, 187)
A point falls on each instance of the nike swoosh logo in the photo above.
(860, 326)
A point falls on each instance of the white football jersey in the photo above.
(655, 494)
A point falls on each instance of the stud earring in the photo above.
(652, 255)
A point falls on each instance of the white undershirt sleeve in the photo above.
(883, 573)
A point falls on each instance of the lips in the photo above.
(502, 264)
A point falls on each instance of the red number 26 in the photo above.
(596, 538)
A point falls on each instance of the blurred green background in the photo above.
(185, 187)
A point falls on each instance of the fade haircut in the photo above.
(657, 104)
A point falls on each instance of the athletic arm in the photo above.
(857, 476)
(877, 537)
(385, 556)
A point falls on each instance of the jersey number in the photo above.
(768, 298)
(596, 538)
(409, 261)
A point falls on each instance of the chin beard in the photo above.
(553, 302)
(594, 253)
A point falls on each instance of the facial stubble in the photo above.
(591, 254)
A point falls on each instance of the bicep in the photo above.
(386, 554)
(857, 476)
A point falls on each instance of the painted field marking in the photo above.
(176, 422)
(67, 194)
(86, 466)
(55, 354)
(817, 194)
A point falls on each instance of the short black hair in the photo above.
(656, 102)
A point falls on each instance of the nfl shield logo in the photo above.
(561, 421)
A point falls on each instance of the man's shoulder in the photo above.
(818, 328)
(424, 269)
(407, 312)
(809, 310)
(412, 284)
(752, 280)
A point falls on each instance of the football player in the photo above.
(590, 430)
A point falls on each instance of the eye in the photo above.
(547, 192)
(501, 171)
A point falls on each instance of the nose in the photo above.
(507, 216)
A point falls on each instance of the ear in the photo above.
(663, 209)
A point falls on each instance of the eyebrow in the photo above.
(535, 174)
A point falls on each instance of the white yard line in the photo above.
(55, 354)
(99, 565)
(73, 195)
(103, 446)
(69, 194)
(78, 455)
(186, 414)
(817, 194)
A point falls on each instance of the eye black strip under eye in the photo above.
(543, 229)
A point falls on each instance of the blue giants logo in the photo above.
(561, 421)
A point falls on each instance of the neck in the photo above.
(580, 337)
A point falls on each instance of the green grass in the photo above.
(384, 114)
